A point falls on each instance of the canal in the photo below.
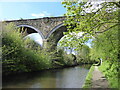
(72, 77)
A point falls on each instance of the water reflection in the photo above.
(61, 78)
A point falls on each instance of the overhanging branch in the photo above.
(100, 31)
(107, 29)
(117, 3)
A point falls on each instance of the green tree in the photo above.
(100, 22)
(89, 18)
(105, 46)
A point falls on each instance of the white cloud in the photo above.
(42, 14)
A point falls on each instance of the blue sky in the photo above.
(29, 10)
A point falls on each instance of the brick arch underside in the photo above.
(29, 30)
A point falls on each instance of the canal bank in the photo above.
(88, 80)
(98, 79)
(95, 79)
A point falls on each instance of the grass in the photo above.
(110, 73)
(88, 81)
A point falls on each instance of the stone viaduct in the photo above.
(50, 28)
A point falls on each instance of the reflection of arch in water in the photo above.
(31, 29)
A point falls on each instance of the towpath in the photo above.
(98, 79)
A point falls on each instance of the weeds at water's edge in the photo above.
(88, 81)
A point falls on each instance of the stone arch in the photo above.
(55, 35)
(33, 30)
(54, 29)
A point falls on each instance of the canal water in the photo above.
(72, 77)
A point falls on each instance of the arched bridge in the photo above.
(50, 28)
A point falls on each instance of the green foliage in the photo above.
(24, 55)
(68, 59)
(63, 59)
(73, 40)
(95, 20)
(88, 80)
(18, 55)
(110, 73)
(106, 45)
(101, 23)
(83, 55)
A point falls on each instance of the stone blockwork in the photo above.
(50, 28)
(44, 25)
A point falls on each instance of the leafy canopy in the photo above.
(90, 18)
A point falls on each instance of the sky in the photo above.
(36, 37)
(30, 10)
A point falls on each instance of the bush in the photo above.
(18, 55)
(61, 59)
(110, 72)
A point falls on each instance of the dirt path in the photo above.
(98, 80)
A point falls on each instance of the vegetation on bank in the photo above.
(24, 55)
(110, 73)
(18, 55)
(105, 46)
(88, 81)
(100, 23)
